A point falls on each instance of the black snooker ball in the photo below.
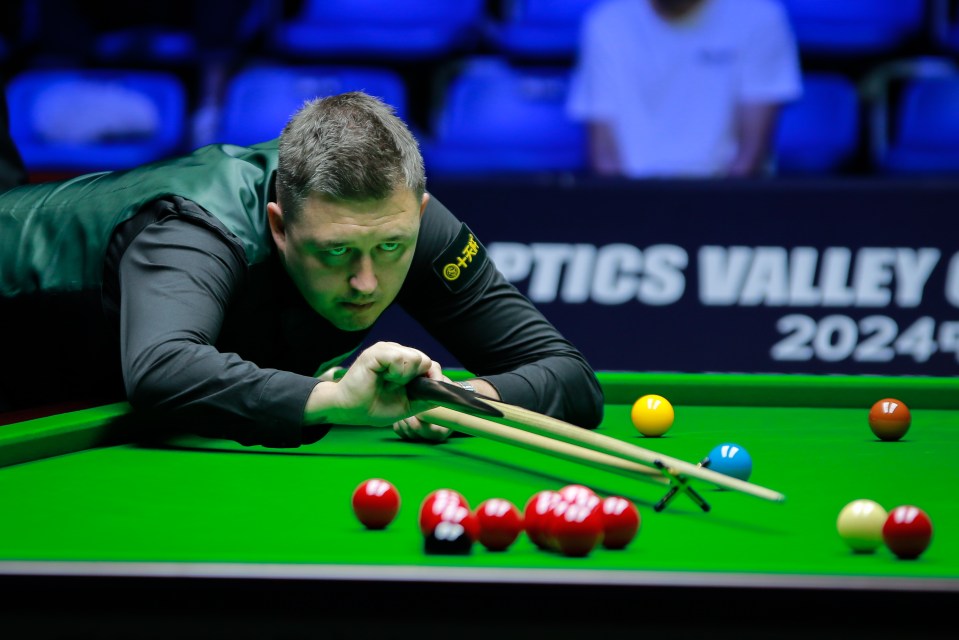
(448, 538)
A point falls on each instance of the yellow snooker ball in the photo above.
(860, 525)
(652, 415)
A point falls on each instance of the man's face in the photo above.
(349, 260)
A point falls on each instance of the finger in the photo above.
(402, 429)
(435, 372)
(413, 428)
(396, 363)
(434, 432)
(410, 364)
(407, 429)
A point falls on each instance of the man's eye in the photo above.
(390, 246)
(336, 252)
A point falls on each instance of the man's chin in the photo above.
(357, 321)
(355, 326)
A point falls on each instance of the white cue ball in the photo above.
(860, 525)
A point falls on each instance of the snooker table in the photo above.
(105, 532)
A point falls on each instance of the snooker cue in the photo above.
(534, 422)
(476, 426)
(453, 396)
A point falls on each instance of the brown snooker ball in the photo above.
(889, 419)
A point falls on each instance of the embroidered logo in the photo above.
(461, 260)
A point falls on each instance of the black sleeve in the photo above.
(493, 329)
(176, 280)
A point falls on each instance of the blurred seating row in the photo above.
(549, 28)
(417, 29)
(493, 116)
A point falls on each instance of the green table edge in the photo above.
(63, 433)
(99, 426)
(781, 390)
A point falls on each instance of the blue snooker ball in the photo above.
(730, 459)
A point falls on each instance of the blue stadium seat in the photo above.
(495, 118)
(821, 131)
(854, 27)
(146, 45)
(925, 128)
(538, 28)
(376, 29)
(261, 99)
(95, 119)
(945, 24)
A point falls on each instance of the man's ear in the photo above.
(423, 203)
(277, 225)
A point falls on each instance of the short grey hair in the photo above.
(350, 147)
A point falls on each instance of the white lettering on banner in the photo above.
(775, 276)
(577, 273)
(952, 281)
(772, 276)
(871, 339)
(665, 282)
(913, 269)
(548, 261)
(616, 274)
(576, 286)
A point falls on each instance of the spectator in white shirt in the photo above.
(683, 88)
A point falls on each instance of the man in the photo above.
(233, 276)
(683, 88)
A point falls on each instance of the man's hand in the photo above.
(413, 428)
(373, 390)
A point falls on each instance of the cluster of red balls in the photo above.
(575, 520)
(572, 521)
(449, 525)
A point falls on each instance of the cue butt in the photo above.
(533, 422)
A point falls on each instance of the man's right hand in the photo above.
(372, 391)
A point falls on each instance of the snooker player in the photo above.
(233, 282)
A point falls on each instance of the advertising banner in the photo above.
(787, 276)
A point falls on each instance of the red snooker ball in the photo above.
(535, 515)
(907, 532)
(621, 522)
(439, 505)
(889, 419)
(500, 523)
(375, 503)
(575, 529)
(580, 494)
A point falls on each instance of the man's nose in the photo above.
(364, 276)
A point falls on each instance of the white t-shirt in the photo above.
(669, 89)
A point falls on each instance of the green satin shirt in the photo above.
(54, 236)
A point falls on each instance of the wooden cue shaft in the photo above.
(476, 426)
(532, 421)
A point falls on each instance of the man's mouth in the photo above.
(358, 306)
